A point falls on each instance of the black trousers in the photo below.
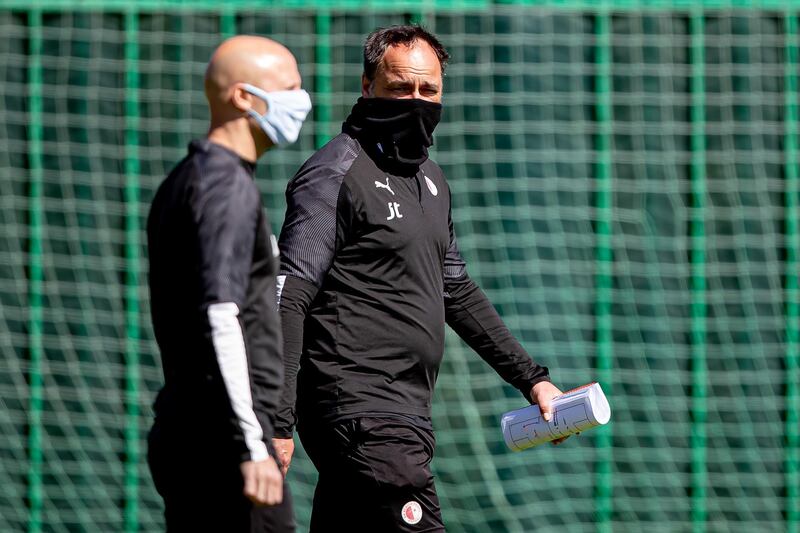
(374, 475)
(201, 484)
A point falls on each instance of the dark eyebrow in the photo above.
(403, 84)
(399, 84)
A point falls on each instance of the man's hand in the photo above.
(542, 395)
(284, 449)
(263, 482)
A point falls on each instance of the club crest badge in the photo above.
(411, 513)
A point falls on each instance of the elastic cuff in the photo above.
(283, 434)
(532, 383)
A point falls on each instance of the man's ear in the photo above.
(241, 99)
(366, 86)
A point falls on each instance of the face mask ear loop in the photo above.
(260, 119)
(262, 95)
(265, 126)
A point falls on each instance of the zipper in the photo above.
(419, 190)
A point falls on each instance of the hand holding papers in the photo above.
(574, 411)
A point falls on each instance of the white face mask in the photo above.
(286, 112)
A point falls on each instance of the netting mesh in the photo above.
(523, 143)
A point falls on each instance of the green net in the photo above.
(625, 188)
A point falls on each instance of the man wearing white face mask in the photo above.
(213, 262)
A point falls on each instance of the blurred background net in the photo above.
(625, 188)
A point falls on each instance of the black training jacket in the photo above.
(370, 273)
(213, 264)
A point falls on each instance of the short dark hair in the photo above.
(379, 40)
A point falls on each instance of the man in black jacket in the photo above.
(370, 274)
(213, 265)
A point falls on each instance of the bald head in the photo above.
(249, 59)
(237, 62)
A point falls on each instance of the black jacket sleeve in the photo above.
(296, 297)
(471, 315)
(317, 218)
(226, 211)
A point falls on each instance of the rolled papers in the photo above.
(574, 411)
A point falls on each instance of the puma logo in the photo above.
(380, 185)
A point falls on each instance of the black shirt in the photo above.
(213, 264)
(372, 273)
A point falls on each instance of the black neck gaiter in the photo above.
(401, 130)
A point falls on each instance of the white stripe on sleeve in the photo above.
(279, 283)
(226, 334)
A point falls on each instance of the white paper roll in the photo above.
(574, 411)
